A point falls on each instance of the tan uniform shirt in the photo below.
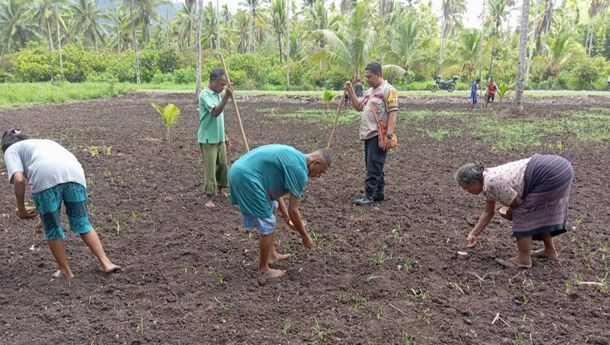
(385, 98)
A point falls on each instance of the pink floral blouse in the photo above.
(504, 182)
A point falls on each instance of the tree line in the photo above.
(305, 44)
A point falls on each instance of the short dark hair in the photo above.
(217, 73)
(10, 137)
(375, 68)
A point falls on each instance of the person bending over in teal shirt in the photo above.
(259, 180)
(211, 135)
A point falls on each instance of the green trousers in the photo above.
(215, 167)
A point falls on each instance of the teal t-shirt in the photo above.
(211, 128)
(265, 174)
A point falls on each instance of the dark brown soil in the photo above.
(389, 274)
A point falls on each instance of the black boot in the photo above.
(378, 197)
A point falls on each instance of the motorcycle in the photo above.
(448, 85)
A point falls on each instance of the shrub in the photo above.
(31, 64)
(585, 75)
(160, 78)
(168, 60)
(148, 64)
(184, 75)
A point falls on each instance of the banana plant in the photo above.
(169, 114)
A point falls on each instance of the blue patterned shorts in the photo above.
(48, 203)
(264, 225)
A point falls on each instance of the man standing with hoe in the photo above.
(380, 103)
(211, 135)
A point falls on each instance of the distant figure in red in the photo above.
(490, 95)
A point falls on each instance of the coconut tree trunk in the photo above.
(134, 42)
(518, 100)
(481, 44)
(287, 45)
(198, 50)
(51, 49)
(61, 59)
(217, 25)
(441, 52)
(279, 45)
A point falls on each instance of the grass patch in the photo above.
(504, 135)
(424, 114)
(441, 132)
(18, 94)
(312, 115)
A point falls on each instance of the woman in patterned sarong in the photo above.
(536, 193)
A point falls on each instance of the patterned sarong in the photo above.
(546, 195)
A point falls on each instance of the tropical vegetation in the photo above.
(306, 44)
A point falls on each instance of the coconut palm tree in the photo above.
(253, 7)
(118, 27)
(147, 12)
(521, 68)
(210, 25)
(241, 26)
(408, 44)
(561, 49)
(16, 25)
(543, 21)
(452, 13)
(597, 7)
(50, 13)
(130, 7)
(498, 13)
(468, 51)
(198, 49)
(349, 48)
(185, 23)
(88, 21)
(278, 22)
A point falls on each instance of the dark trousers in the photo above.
(374, 159)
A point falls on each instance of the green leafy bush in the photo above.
(160, 78)
(31, 65)
(184, 75)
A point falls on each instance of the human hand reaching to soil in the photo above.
(471, 240)
(506, 213)
(307, 242)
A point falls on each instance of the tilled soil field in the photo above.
(387, 274)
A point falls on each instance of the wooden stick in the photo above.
(332, 132)
(241, 126)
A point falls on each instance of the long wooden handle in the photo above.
(241, 125)
(332, 132)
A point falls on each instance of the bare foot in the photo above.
(277, 256)
(513, 263)
(272, 273)
(60, 274)
(210, 204)
(545, 253)
(223, 194)
(111, 268)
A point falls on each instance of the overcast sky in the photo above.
(471, 17)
